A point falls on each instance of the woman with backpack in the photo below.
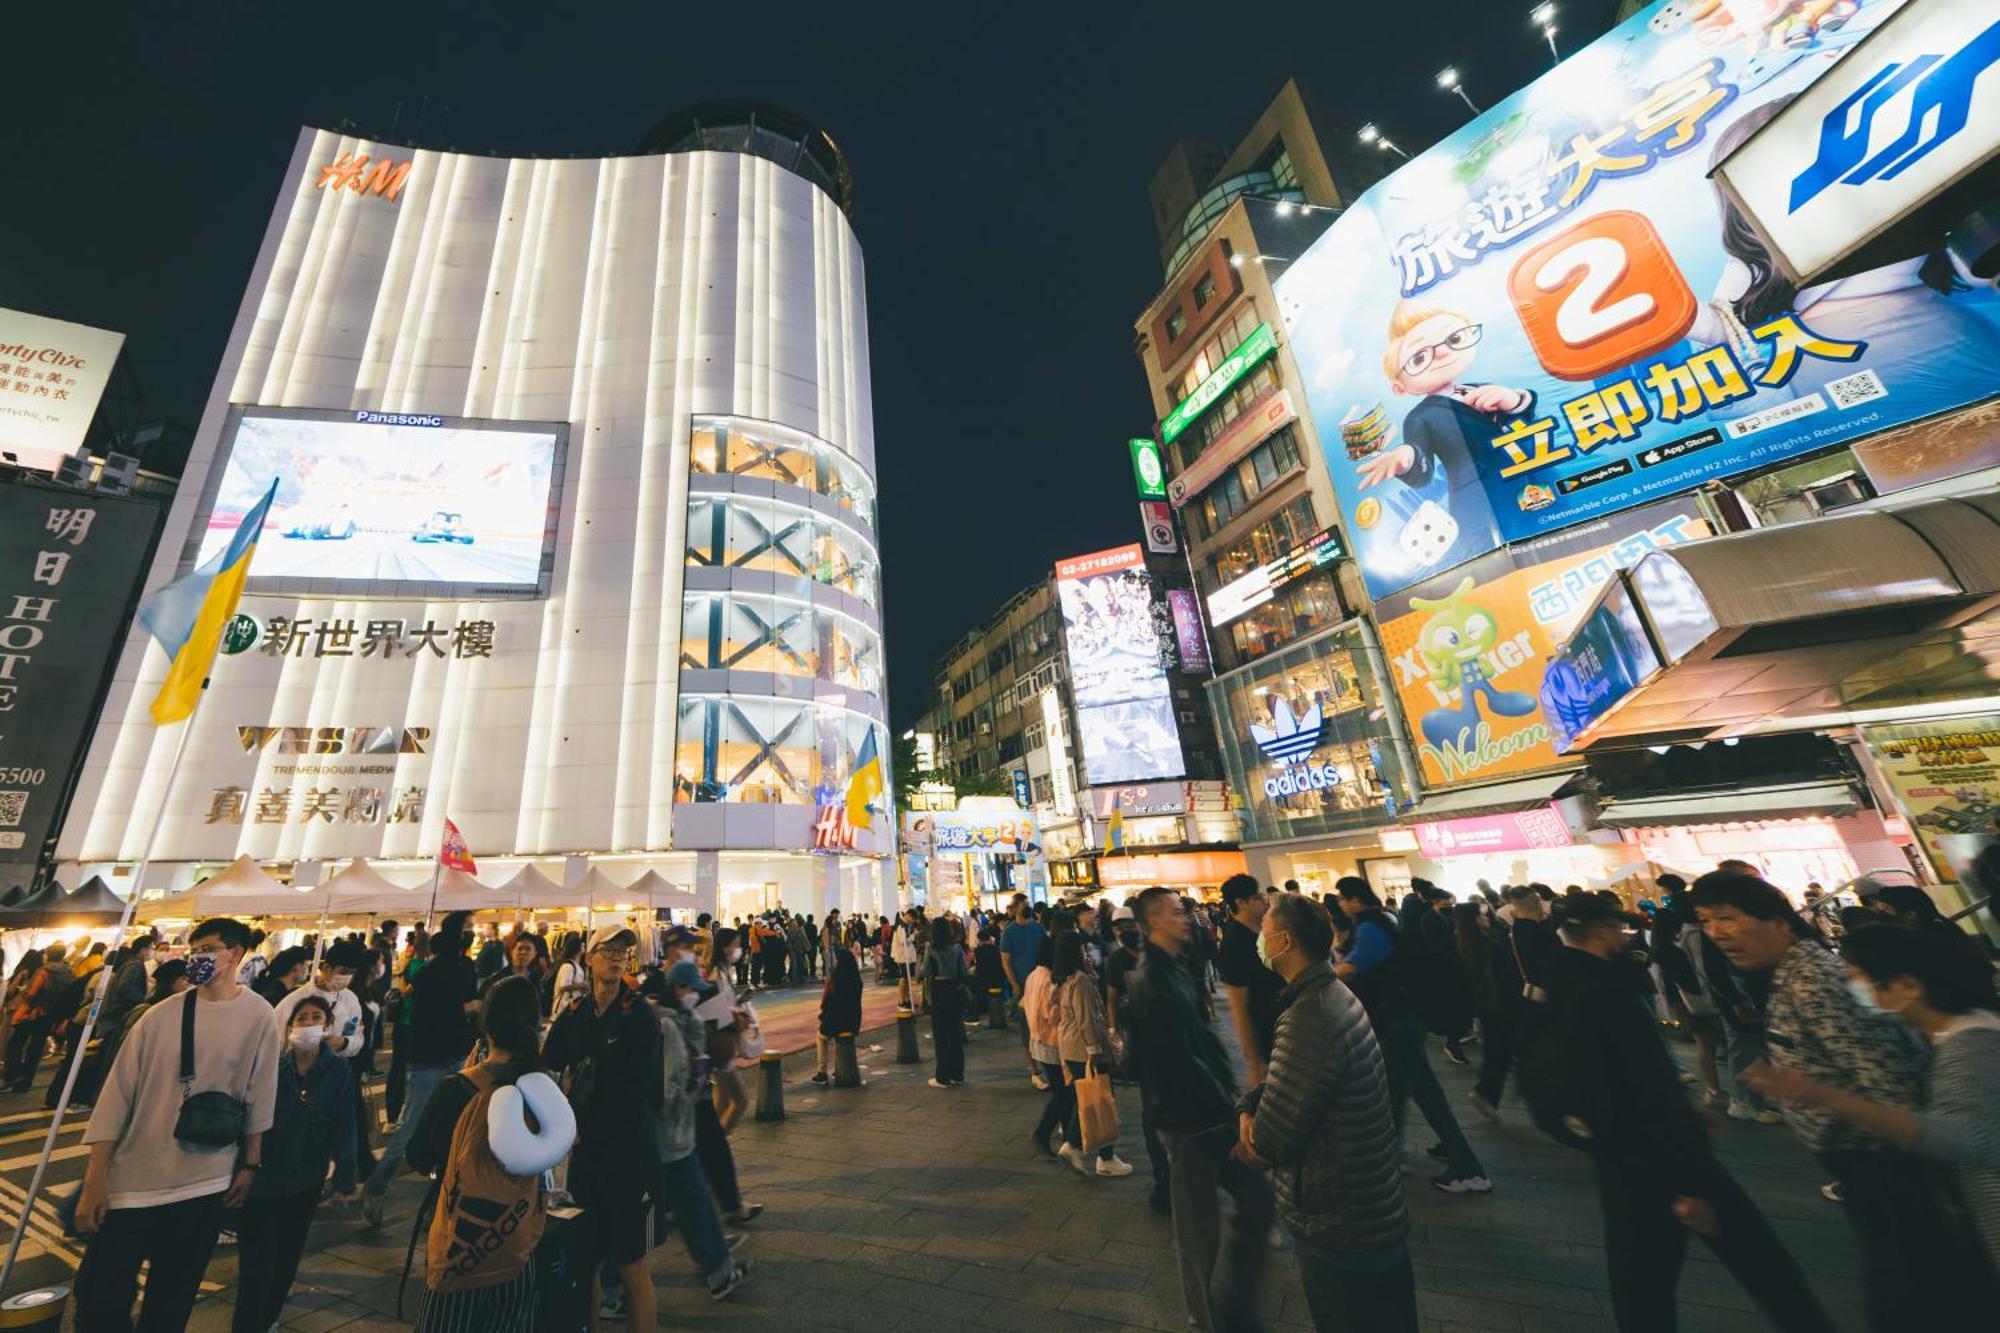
(313, 1123)
(480, 1275)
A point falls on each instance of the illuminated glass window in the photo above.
(777, 537)
(733, 446)
(753, 751)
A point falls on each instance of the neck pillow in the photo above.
(519, 1147)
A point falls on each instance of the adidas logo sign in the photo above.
(1289, 741)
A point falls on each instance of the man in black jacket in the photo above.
(1656, 1176)
(1321, 1118)
(605, 1046)
(1190, 1096)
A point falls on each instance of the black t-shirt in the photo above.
(440, 1031)
(1240, 966)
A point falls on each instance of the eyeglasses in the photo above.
(616, 954)
(1417, 362)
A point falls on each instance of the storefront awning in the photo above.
(1494, 798)
(1795, 625)
(1811, 799)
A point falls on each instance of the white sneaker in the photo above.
(936, 1084)
(1742, 1110)
(1114, 1165)
(1069, 1154)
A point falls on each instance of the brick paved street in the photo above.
(900, 1206)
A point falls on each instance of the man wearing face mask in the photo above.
(1321, 1119)
(150, 1197)
(1657, 1178)
(333, 981)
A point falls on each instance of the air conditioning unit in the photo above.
(120, 471)
(75, 469)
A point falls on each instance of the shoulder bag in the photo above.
(212, 1119)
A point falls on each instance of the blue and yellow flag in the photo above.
(188, 616)
(866, 783)
(1115, 834)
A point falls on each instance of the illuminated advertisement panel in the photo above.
(1554, 314)
(1473, 652)
(1124, 705)
(390, 504)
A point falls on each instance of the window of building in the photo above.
(1302, 609)
(1262, 544)
(1278, 163)
(1176, 325)
(1204, 292)
(1220, 344)
(734, 446)
(1232, 492)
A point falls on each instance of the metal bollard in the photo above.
(906, 1036)
(846, 1065)
(40, 1308)
(996, 1009)
(771, 1086)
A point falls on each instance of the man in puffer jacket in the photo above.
(1321, 1121)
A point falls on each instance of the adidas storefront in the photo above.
(1309, 742)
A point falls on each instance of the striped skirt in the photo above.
(508, 1307)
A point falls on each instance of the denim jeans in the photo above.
(424, 1080)
(1358, 1291)
(684, 1191)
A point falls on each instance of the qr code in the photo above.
(1862, 387)
(13, 808)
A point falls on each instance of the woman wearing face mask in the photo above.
(313, 1124)
(1945, 992)
(731, 1098)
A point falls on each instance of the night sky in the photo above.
(1001, 154)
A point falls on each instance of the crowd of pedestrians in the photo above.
(570, 1100)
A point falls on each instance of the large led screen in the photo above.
(1124, 705)
(391, 504)
(1555, 314)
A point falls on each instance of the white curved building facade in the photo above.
(691, 682)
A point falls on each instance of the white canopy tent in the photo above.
(655, 890)
(241, 890)
(533, 889)
(359, 885)
(598, 892)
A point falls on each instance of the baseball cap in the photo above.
(680, 935)
(684, 973)
(606, 936)
(1123, 912)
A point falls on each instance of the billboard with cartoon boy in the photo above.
(1553, 314)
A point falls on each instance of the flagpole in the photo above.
(82, 1041)
(437, 873)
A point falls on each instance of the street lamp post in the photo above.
(1447, 79)
(1370, 135)
(1544, 17)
